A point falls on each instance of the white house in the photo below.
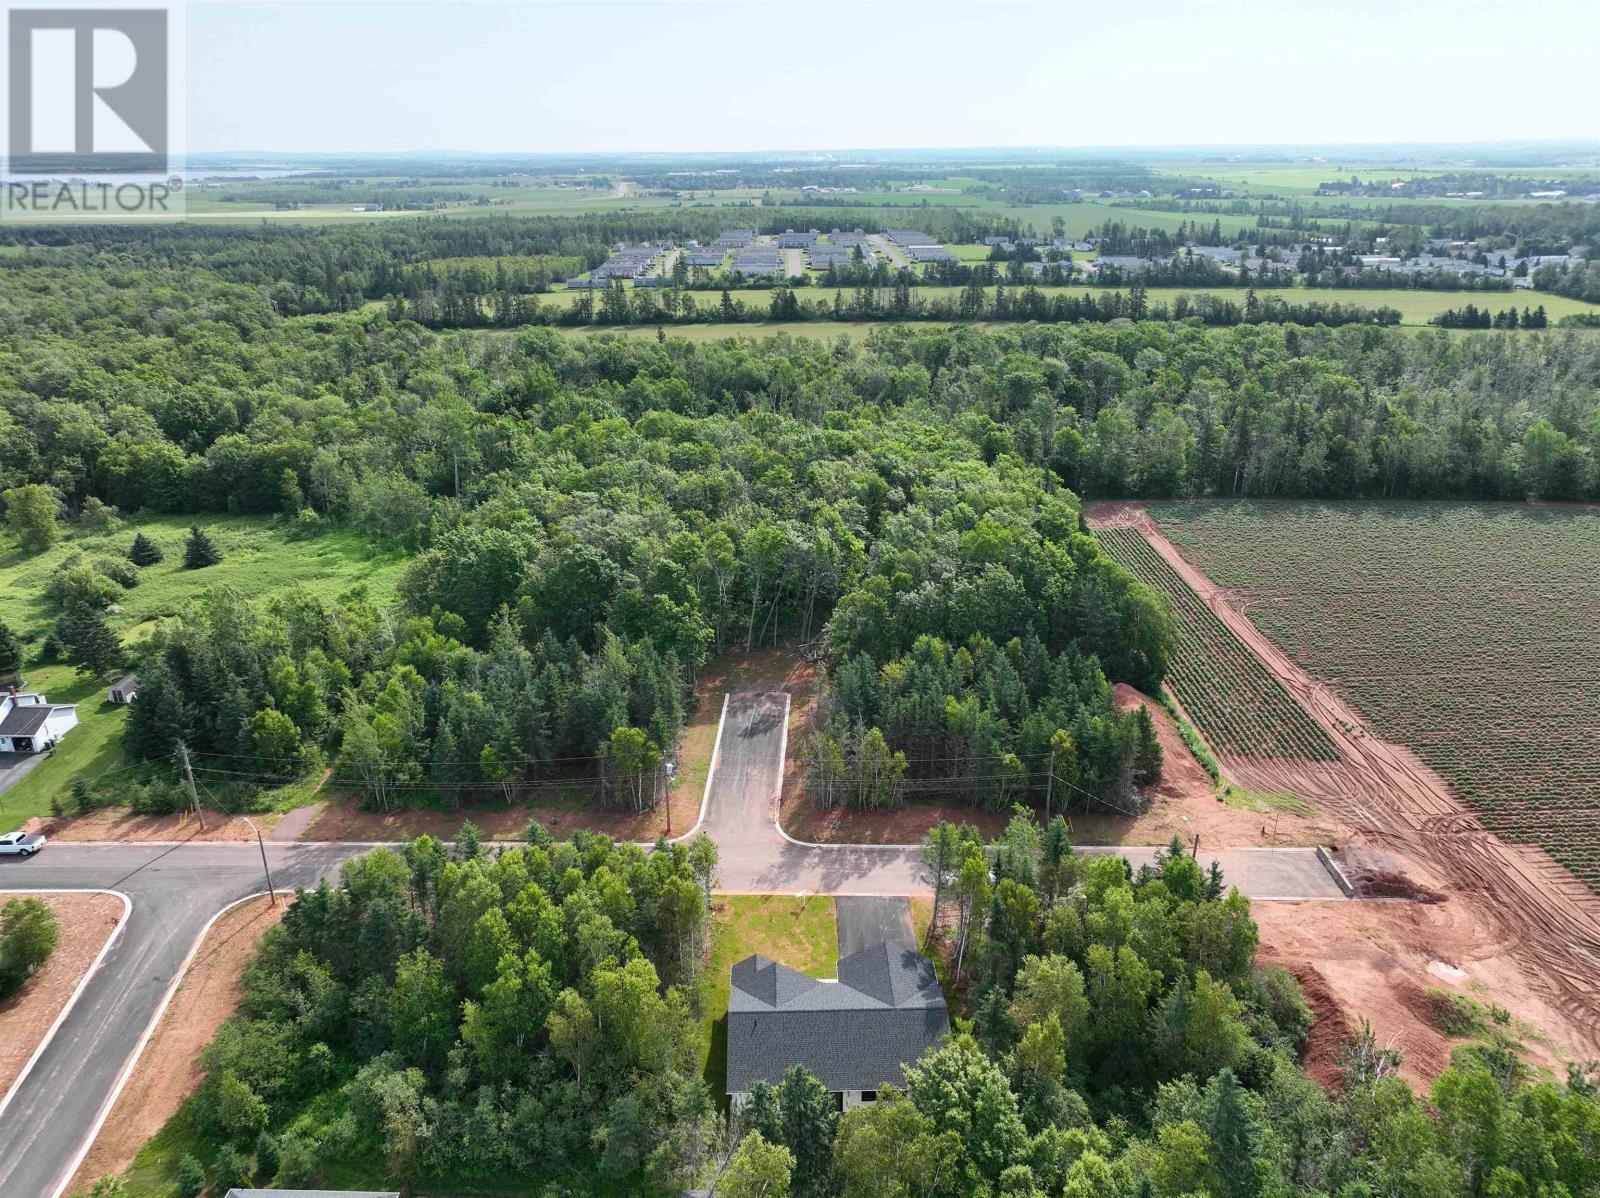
(29, 722)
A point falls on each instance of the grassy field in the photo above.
(800, 932)
(1415, 307)
(823, 330)
(260, 558)
(1463, 631)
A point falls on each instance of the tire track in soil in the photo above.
(1549, 921)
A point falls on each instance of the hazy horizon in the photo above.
(597, 77)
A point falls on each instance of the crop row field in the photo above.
(1465, 632)
(1232, 697)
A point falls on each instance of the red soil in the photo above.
(1518, 914)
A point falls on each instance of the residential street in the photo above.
(50, 1117)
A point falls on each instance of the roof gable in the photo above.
(893, 974)
(856, 1033)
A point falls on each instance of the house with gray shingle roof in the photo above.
(856, 1033)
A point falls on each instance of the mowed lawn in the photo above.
(800, 931)
(260, 558)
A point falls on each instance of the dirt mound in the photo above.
(1389, 883)
(1331, 1029)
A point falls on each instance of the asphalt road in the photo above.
(174, 891)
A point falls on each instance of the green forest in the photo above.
(589, 521)
(531, 1022)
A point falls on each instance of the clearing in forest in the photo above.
(1463, 631)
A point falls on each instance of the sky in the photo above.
(597, 76)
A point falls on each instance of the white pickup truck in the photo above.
(20, 844)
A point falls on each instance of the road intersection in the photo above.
(175, 891)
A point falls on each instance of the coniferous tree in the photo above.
(161, 717)
(144, 552)
(10, 653)
(810, 1122)
(88, 640)
(200, 550)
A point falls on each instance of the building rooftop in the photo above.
(856, 1033)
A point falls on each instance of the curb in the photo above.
(1338, 874)
(777, 805)
(711, 772)
(72, 1001)
(138, 1049)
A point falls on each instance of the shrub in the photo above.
(97, 514)
(191, 1177)
(83, 586)
(29, 931)
(297, 1163)
(229, 1168)
(120, 571)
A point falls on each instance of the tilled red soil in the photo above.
(1518, 901)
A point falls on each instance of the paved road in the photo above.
(741, 816)
(863, 921)
(756, 858)
(174, 892)
(176, 889)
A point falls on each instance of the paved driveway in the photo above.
(863, 921)
(14, 767)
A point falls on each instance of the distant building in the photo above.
(790, 240)
(855, 1034)
(930, 253)
(1220, 254)
(1128, 263)
(123, 690)
(30, 722)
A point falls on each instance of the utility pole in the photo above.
(1049, 785)
(672, 769)
(188, 777)
(271, 892)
